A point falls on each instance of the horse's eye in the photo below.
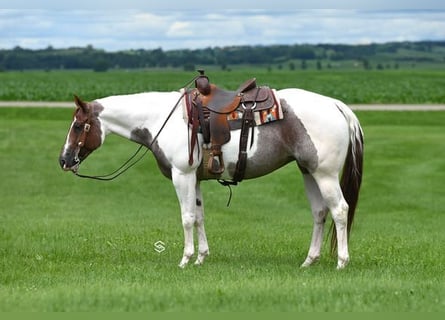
(77, 127)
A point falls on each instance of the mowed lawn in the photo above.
(68, 244)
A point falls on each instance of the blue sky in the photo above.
(188, 24)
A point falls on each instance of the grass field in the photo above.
(67, 244)
(351, 86)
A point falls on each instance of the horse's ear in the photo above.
(81, 104)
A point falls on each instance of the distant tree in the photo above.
(366, 64)
(89, 57)
(301, 52)
(101, 65)
(336, 56)
(189, 67)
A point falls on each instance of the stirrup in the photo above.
(216, 164)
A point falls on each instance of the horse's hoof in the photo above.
(199, 263)
(200, 260)
(309, 261)
(185, 260)
(342, 263)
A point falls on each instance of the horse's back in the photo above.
(320, 112)
(309, 104)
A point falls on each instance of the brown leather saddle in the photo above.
(211, 109)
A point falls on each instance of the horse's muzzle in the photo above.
(69, 165)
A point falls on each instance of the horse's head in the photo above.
(84, 135)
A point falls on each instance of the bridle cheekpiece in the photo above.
(83, 135)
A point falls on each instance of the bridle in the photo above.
(133, 159)
(83, 135)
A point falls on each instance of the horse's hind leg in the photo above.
(319, 212)
(203, 247)
(330, 190)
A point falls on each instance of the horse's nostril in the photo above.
(62, 163)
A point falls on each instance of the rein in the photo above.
(130, 162)
(116, 173)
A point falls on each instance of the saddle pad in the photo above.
(261, 117)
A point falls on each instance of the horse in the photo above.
(321, 134)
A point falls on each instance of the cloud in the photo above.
(181, 5)
(180, 29)
(199, 28)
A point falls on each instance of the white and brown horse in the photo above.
(321, 134)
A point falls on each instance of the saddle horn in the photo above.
(202, 83)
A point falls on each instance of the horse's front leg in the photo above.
(203, 247)
(185, 185)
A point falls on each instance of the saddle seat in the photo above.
(223, 101)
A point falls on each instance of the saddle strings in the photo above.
(128, 164)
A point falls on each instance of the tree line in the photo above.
(100, 60)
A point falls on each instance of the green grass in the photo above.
(351, 86)
(67, 244)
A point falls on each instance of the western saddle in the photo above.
(209, 109)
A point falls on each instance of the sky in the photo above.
(193, 24)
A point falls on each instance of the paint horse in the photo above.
(321, 134)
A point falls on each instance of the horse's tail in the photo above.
(351, 178)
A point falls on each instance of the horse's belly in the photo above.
(265, 153)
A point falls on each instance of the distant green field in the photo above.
(67, 244)
(351, 86)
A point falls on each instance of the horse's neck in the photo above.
(125, 113)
